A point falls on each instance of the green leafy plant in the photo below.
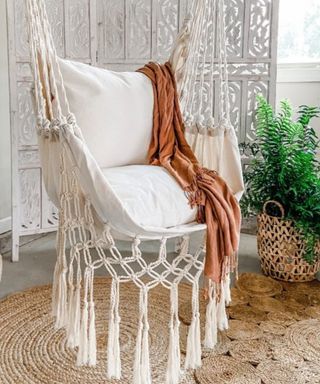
(285, 168)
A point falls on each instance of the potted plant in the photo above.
(283, 189)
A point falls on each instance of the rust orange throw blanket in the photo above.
(217, 206)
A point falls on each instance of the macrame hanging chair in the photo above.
(94, 128)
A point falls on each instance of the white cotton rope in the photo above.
(173, 368)
(114, 361)
(193, 355)
(211, 326)
(141, 368)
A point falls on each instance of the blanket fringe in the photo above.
(222, 318)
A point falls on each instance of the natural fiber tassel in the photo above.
(55, 285)
(70, 303)
(92, 341)
(114, 361)
(141, 368)
(92, 344)
(222, 318)
(145, 357)
(76, 318)
(82, 358)
(226, 287)
(69, 327)
(193, 357)
(137, 357)
(173, 369)
(60, 293)
(211, 329)
(62, 300)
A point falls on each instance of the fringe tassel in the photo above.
(222, 318)
(226, 287)
(62, 300)
(193, 357)
(74, 313)
(173, 369)
(92, 340)
(85, 342)
(60, 292)
(82, 358)
(55, 285)
(141, 368)
(70, 303)
(137, 359)
(211, 329)
(114, 361)
(92, 344)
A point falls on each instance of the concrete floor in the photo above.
(37, 261)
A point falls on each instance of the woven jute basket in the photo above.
(281, 248)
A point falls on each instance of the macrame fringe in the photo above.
(193, 356)
(82, 358)
(141, 368)
(87, 352)
(74, 312)
(114, 361)
(60, 291)
(61, 298)
(92, 344)
(173, 369)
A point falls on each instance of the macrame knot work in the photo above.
(86, 240)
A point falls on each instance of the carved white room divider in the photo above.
(124, 35)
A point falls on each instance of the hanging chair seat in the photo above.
(114, 119)
(150, 195)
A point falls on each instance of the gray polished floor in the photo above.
(37, 261)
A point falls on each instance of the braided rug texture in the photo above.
(273, 336)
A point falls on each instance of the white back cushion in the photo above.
(114, 111)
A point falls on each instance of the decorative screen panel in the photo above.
(124, 35)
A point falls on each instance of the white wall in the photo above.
(301, 85)
(5, 160)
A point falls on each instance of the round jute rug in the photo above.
(32, 351)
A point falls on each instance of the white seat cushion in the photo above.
(114, 111)
(150, 195)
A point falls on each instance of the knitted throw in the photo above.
(217, 207)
